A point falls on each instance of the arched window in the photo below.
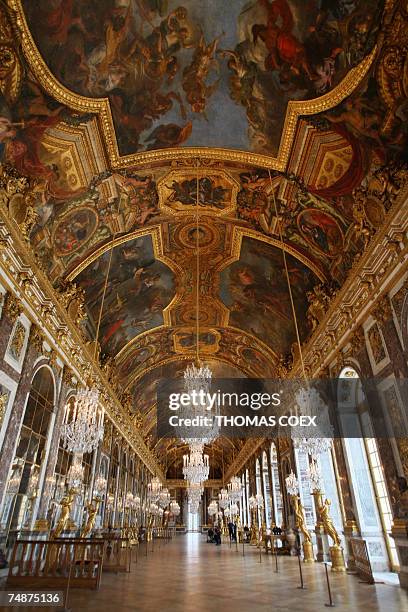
(30, 454)
(114, 469)
(248, 513)
(266, 489)
(277, 497)
(258, 487)
(366, 473)
(302, 466)
(242, 505)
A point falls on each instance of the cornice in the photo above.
(246, 452)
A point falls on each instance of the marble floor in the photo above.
(189, 575)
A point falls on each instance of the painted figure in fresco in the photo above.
(283, 47)
(207, 192)
(138, 196)
(321, 230)
(255, 291)
(74, 230)
(138, 289)
(169, 135)
(194, 75)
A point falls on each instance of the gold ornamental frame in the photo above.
(101, 107)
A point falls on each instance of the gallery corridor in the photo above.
(189, 575)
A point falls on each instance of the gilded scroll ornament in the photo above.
(382, 310)
(319, 299)
(36, 338)
(12, 307)
(17, 342)
(72, 298)
(15, 196)
(11, 70)
(3, 405)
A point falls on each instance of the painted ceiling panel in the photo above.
(212, 73)
(255, 290)
(138, 289)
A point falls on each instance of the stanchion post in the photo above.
(330, 604)
(275, 548)
(302, 586)
(66, 609)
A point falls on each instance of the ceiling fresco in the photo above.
(129, 289)
(214, 75)
(255, 290)
(209, 73)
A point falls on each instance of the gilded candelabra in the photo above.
(336, 551)
(307, 545)
(66, 505)
(92, 509)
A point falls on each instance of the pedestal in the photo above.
(400, 534)
(322, 542)
(41, 525)
(337, 559)
(308, 556)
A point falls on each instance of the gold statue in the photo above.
(329, 528)
(65, 503)
(300, 518)
(92, 510)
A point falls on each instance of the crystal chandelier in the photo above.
(82, 426)
(314, 475)
(154, 509)
(197, 376)
(235, 489)
(129, 500)
(213, 508)
(174, 508)
(153, 489)
(197, 385)
(256, 501)
(164, 498)
(292, 485)
(100, 487)
(136, 501)
(234, 509)
(194, 492)
(75, 474)
(309, 403)
(223, 498)
(196, 467)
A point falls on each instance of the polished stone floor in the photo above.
(189, 575)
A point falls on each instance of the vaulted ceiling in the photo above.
(288, 114)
